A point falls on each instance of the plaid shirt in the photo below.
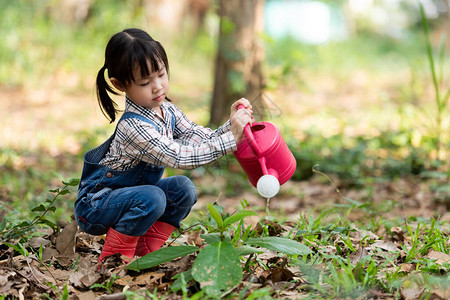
(187, 147)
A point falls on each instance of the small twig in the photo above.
(32, 272)
(183, 231)
(13, 270)
(24, 276)
(329, 179)
(48, 270)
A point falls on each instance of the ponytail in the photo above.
(107, 105)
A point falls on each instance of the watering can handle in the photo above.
(249, 135)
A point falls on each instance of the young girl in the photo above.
(122, 193)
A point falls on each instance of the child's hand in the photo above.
(235, 107)
(239, 118)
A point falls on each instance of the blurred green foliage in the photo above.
(36, 43)
(358, 160)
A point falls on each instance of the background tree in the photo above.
(240, 53)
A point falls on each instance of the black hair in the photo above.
(127, 50)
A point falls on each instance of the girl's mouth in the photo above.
(159, 98)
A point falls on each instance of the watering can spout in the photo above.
(272, 172)
(268, 186)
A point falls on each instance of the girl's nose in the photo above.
(157, 87)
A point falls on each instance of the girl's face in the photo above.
(149, 91)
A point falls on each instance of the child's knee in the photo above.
(155, 201)
(188, 188)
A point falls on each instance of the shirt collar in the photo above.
(146, 112)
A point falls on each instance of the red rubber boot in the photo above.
(154, 238)
(116, 242)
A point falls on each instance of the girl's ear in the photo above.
(117, 84)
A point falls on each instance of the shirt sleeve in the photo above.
(144, 142)
(189, 133)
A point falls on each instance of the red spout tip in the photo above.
(273, 172)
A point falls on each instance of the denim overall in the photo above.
(130, 201)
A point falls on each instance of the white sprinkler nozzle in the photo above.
(268, 186)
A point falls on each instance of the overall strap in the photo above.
(130, 114)
(173, 119)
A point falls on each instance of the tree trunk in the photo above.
(240, 53)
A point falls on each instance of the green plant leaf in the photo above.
(2, 225)
(181, 279)
(238, 216)
(246, 250)
(211, 238)
(48, 222)
(24, 224)
(65, 294)
(215, 237)
(72, 181)
(39, 208)
(433, 174)
(217, 268)
(160, 256)
(97, 285)
(280, 244)
(216, 216)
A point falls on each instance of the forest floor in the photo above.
(67, 268)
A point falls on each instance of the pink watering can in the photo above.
(265, 158)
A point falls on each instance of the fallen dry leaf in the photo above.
(65, 241)
(89, 295)
(150, 278)
(273, 227)
(398, 234)
(48, 253)
(194, 238)
(440, 257)
(37, 242)
(145, 279)
(84, 274)
(359, 234)
(6, 281)
(89, 279)
(411, 294)
(388, 246)
(355, 257)
(407, 268)
(440, 294)
(280, 274)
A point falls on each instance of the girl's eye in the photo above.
(162, 74)
(146, 83)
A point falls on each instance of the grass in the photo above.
(352, 275)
